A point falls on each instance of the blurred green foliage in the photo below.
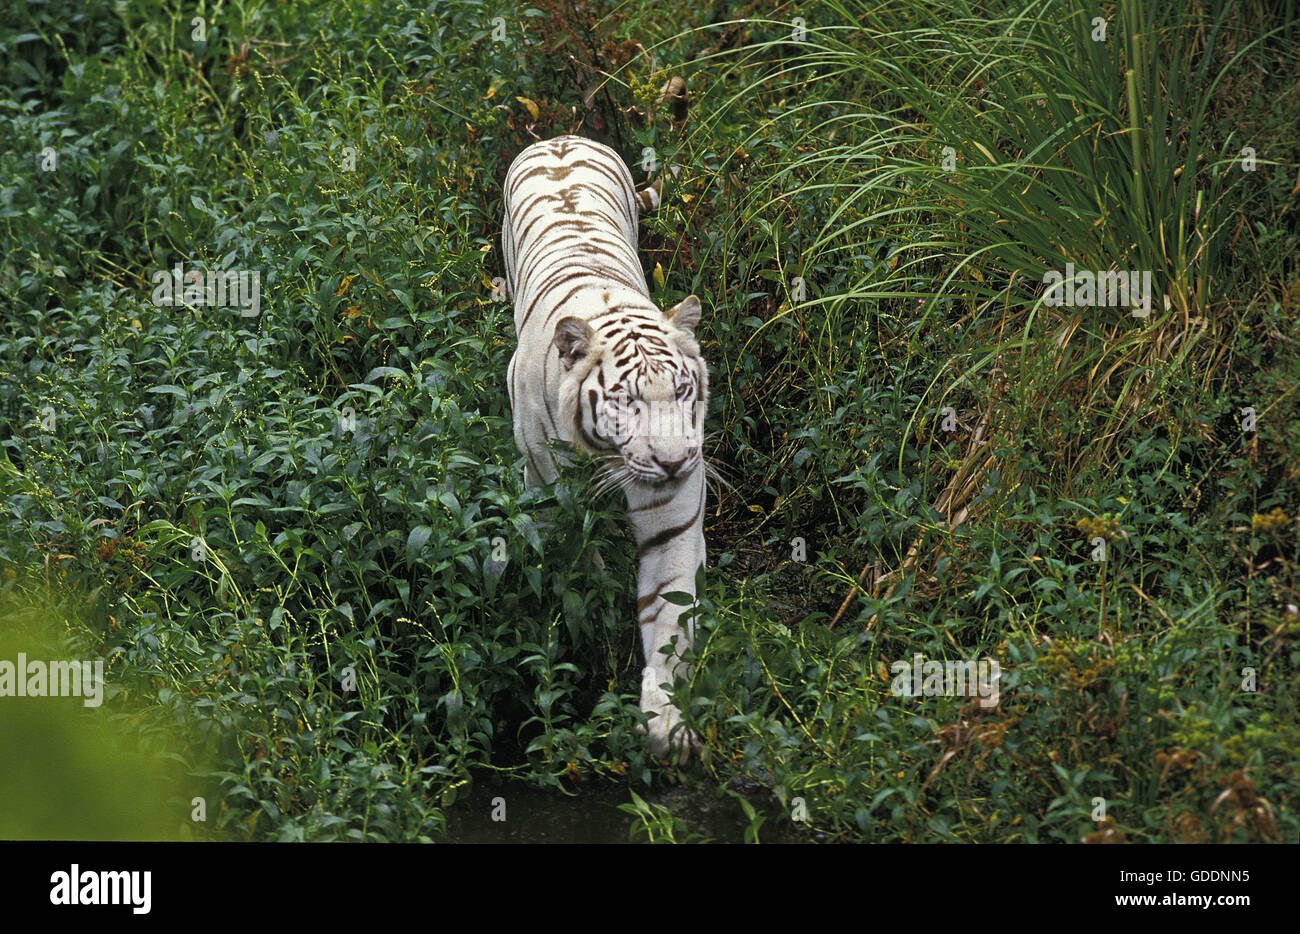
(77, 772)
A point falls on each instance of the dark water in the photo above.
(533, 815)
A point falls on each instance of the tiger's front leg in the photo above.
(669, 532)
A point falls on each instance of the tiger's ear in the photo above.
(686, 314)
(573, 337)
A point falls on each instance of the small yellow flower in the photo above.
(1270, 522)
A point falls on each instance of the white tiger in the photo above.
(600, 367)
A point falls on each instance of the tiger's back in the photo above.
(569, 243)
(601, 367)
(565, 198)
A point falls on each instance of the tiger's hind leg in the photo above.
(674, 101)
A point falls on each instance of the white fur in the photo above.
(569, 241)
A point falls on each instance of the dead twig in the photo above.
(958, 489)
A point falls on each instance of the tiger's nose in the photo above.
(670, 467)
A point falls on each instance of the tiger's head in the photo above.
(635, 390)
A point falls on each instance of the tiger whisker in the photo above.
(717, 483)
(612, 475)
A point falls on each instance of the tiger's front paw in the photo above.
(669, 740)
(668, 737)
